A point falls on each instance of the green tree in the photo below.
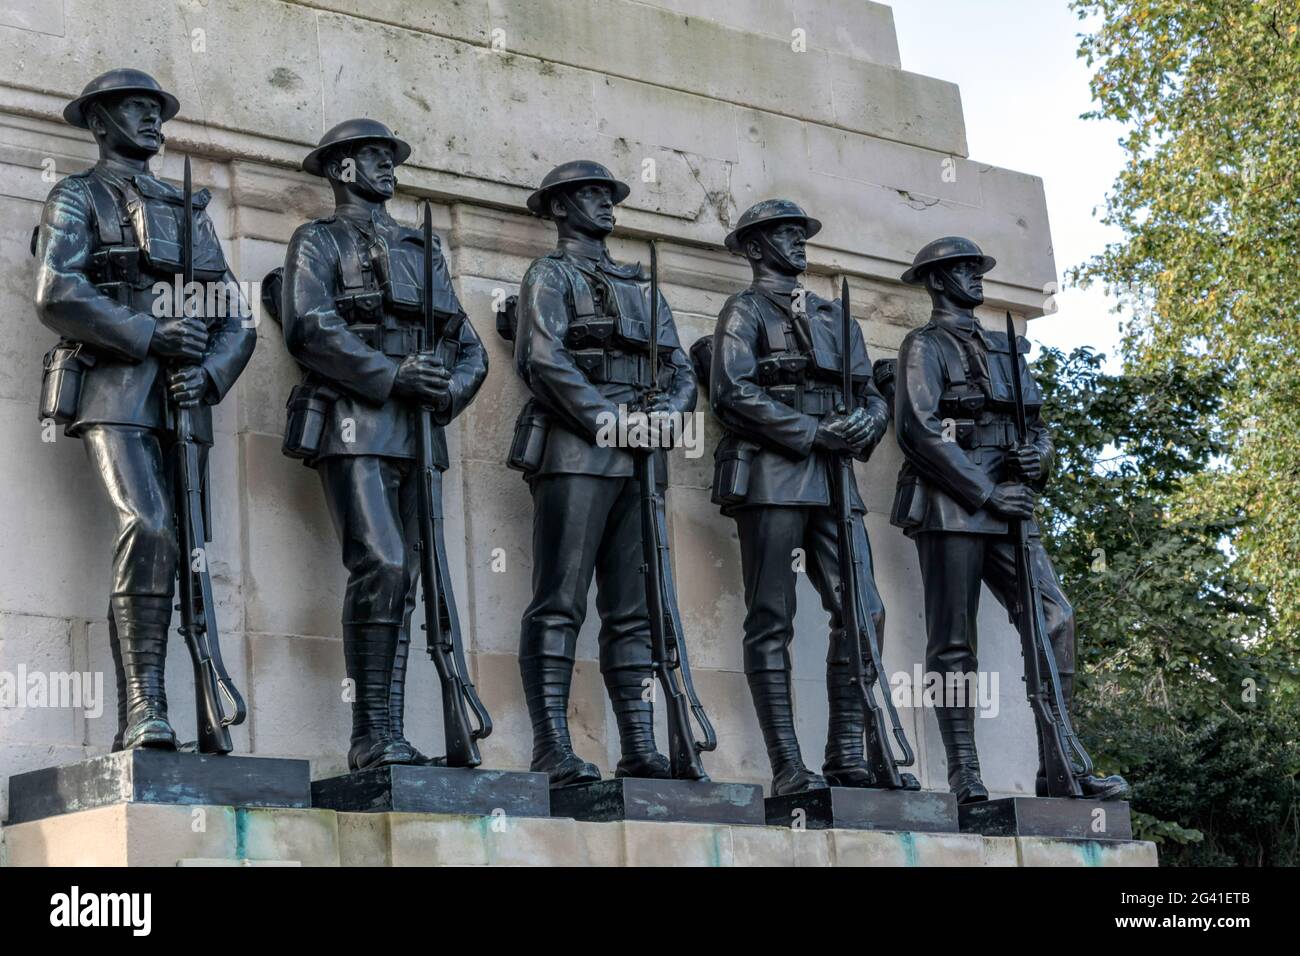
(1178, 688)
(1209, 263)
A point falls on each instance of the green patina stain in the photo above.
(1091, 853)
(241, 833)
(908, 839)
(717, 846)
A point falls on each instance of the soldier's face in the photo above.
(593, 204)
(790, 240)
(962, 281)
(368, 170)
(133, 126)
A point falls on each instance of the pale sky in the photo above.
(1022, 91)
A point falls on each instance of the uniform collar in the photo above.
(365, 219)
(591, 255)
(115, 169)
(781, 295)
(960, 323)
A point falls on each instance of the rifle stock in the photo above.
(443, 637)
(1065, 759)
(667, 642)
(215, 692)
(859, 628)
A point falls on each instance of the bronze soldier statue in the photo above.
(582, 348)
(353, 306)
(131, 365)
(774, 378)
(966, 484)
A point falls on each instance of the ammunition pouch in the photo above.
(307, 411)
(529, 442)
(394, 339)
(613, 368)
(817, 402)
(115, 271)
(999, 433)
(731, 466)
(360, 307)
(783, 368)
(962, 401)
(64, 369)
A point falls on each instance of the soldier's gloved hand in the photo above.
(830, 435)
(1012, 500)
(179, 339)
(1027, 462)
(187, 384)
(857, 430)
(423, 377)
(659, 403)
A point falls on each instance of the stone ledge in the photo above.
(161, 835)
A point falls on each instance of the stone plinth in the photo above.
(140, 834)
(435, 790)
(1059, 817)
(660, 801)
(159, 776)
(921, 811)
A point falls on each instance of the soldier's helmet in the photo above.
(765, 213)
(350, 132)
(576, 172)
(116, 83)
(946, 249)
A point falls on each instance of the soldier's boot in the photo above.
(115, 648)
(1110, 787)
(369, 651)
(771, 692)
(142, 639)
(397, 701)
(845, 764)
(636, 724)
(546, 688)
(957, 727)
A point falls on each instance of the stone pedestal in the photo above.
(457, 790)
(141, 834)
(159, 776)
(855, 808)
(663, 801)
(1058, 817)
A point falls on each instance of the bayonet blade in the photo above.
(846, 347)
(654, 315)
(427, 302)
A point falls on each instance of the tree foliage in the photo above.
(1179, 688)
(1209, 262)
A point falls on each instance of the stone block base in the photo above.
(137, 834)
(919, 811)
(1058, 817)
(660, 801)
(159, 776)
(435, 790)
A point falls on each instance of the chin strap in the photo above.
(107, 117)
(782, 259)
(578, 216)
(954, 292)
